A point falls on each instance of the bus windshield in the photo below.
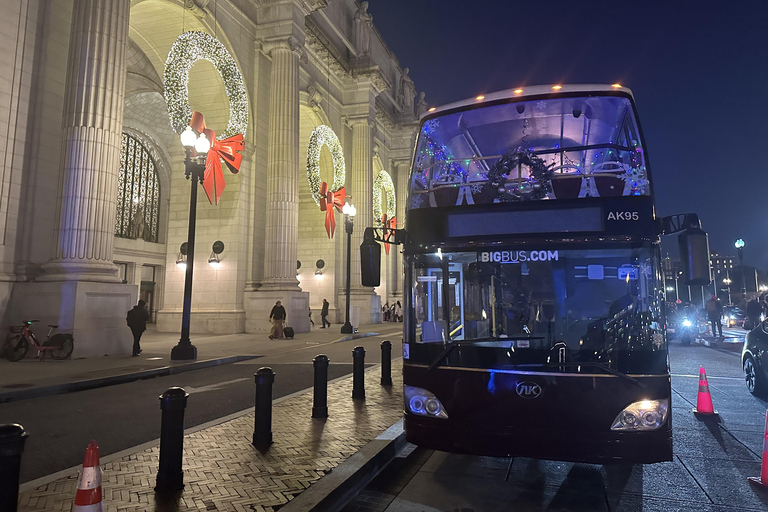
(601, 305)
(551, 148)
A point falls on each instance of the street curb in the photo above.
(334, 490)
(69, 387)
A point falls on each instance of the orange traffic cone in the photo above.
(88, 498)
(704, 399)
(763, 478)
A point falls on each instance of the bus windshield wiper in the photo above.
(602, 366)
(448, 349)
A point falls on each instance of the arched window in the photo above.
(138, 192)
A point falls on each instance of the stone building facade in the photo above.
(94, 203)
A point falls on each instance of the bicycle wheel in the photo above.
(64, 350)
(15, 348)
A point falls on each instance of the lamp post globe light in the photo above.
(349, 212)
(194, 169)
(739, 244)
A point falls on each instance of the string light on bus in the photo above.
(557, 87)
(616, 86)
(431, 109)
(481, 97)
(518, 91)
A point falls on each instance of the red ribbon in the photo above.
(388, 225)
(225, 149)
(328, 201)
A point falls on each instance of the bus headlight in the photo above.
(424, 403)
(643, 415)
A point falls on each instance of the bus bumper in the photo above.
(563, 445)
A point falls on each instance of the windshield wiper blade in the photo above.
(602, 366)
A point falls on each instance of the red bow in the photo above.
(226, 149)
(388, 225)
(328, 201)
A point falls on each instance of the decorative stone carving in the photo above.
(421, 104)
(363, 24)
(139, 224)
(315, 98)
(407, 91)
(197, 7)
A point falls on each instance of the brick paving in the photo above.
(224, 472)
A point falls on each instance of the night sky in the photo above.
(699, 73)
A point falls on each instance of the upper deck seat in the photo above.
(566, 187)
(609, 184)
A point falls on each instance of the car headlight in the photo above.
(424, 403)
(687, 323)
(643, 415)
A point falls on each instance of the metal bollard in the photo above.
(358, 373)
(386, 363)
(12, 439)
(170, 477)
(262, 425)
(320, 397)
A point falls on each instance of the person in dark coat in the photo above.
(137, 320)
(753, 313)
(277, 317)
(324, 314)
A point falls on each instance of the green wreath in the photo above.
(383, 181)
(535, 187)
(188, 49)
(324, 135)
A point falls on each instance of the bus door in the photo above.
(443, 313)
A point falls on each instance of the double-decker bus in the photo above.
(534, 300)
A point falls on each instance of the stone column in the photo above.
(402, 172)
(283, 168)
(362, 193)
(92, 131)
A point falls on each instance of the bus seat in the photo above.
(432, 332)
(566, 187)
(609, 186)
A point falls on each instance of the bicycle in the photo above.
(59, 346)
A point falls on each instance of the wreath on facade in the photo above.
(535, 187)
(324, 135)
(188, 49)
(383, 182)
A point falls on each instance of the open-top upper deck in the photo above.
(530, 144)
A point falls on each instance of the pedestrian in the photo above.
(715, 314)
(324, 314)
(277, 317)
(137, 321)
(310, 317)
(753, 314)
(398, 312)
(385, 311)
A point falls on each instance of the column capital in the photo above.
(290, 43)
(307, 6)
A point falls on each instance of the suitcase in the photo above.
(288, 332)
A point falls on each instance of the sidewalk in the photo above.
(320, 461)
(31, 378)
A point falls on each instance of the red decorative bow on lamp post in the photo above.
(388, 225)
(225, 149)
(328, 202)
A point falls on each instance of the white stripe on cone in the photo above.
(90, 478)
(96, 507)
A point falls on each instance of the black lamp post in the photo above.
(194, 168)
(349, 212)
(740, 247)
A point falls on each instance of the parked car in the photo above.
(733, 316)
(754, 359)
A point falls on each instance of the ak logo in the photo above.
(528, 389)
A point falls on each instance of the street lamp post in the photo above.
(740, 247)
(727, 282)
(349, 212)
(194, 168)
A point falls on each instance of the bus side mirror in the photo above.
(370, 261)
(694, 253)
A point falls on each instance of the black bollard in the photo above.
(320, 397)
(358, 373)
(12, 438)
(170, 477)
(262, 425)
(386, 363)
